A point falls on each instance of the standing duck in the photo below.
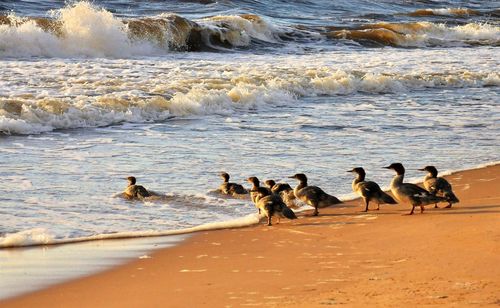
(271, 204)
(416, 195)
(255, 188)
(368, 190)
(438, 186)
(312, 195)
(231, 189)
(134, 191)
(284, 190)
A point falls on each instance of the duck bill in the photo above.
(388, 167)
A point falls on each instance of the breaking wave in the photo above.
(84, 30)
(421, 34)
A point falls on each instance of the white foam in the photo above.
(38, 236)
(86, 31)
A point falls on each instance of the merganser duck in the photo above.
(134, 191)
(416, 195)
(255, 187)
(312, 195)
(231, 188)
(438, 186)
(271, 204)
(368, 190)
(284, 190)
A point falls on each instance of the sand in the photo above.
(343, 257)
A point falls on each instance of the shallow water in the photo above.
(90, 94)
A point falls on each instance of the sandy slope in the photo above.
(442, 257)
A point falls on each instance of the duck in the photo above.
(255, 186)
(416, 195)
(271, 204)
(368, 190)
(312, 195)
(284, 190)
(438, 186)
(231, 189)
(134, 191)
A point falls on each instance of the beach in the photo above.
(445, 257)
(176, 93)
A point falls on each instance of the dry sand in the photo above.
(442, 257)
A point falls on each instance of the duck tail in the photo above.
(333, 200)
(385, 198)
(450, 197)
(288, 213)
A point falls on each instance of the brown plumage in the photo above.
(271, 204)
(438, 186)
(416, 195)
(368, 190)
(284, 190)
(231, 189)
(134, 191)
(312, 195)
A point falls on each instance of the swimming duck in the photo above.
(271, 204)
(438, 186)
(134, 191)
(416, 195)
(231, 188)
(369, 190)
(284, 190)
(312, 195)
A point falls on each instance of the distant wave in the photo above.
(84, 30)
(421, 34)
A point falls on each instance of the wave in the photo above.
(40, 236)
(83, 30)
(421, 34)
(29, 115)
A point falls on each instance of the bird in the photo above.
(368, 190)
(284, 190)
(255, 186)
(438, 186)
(271, 204)
(416, 195)
(231, 189)
(312, 195)
(134, 191)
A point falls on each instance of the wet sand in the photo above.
(380, 258)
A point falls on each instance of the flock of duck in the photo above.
(278, 199)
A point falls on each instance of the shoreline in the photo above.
(241, 222)
(212, 262)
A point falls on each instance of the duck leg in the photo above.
(412, 209)
(422, 209)
(378, 207)
(366, 205)
(269, 218)
(316, 212)
(436, 206)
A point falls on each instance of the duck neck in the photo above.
(397, 180)
(302, 184)
(255, 186)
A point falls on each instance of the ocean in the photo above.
(174, 92)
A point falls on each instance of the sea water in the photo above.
(173, 93)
